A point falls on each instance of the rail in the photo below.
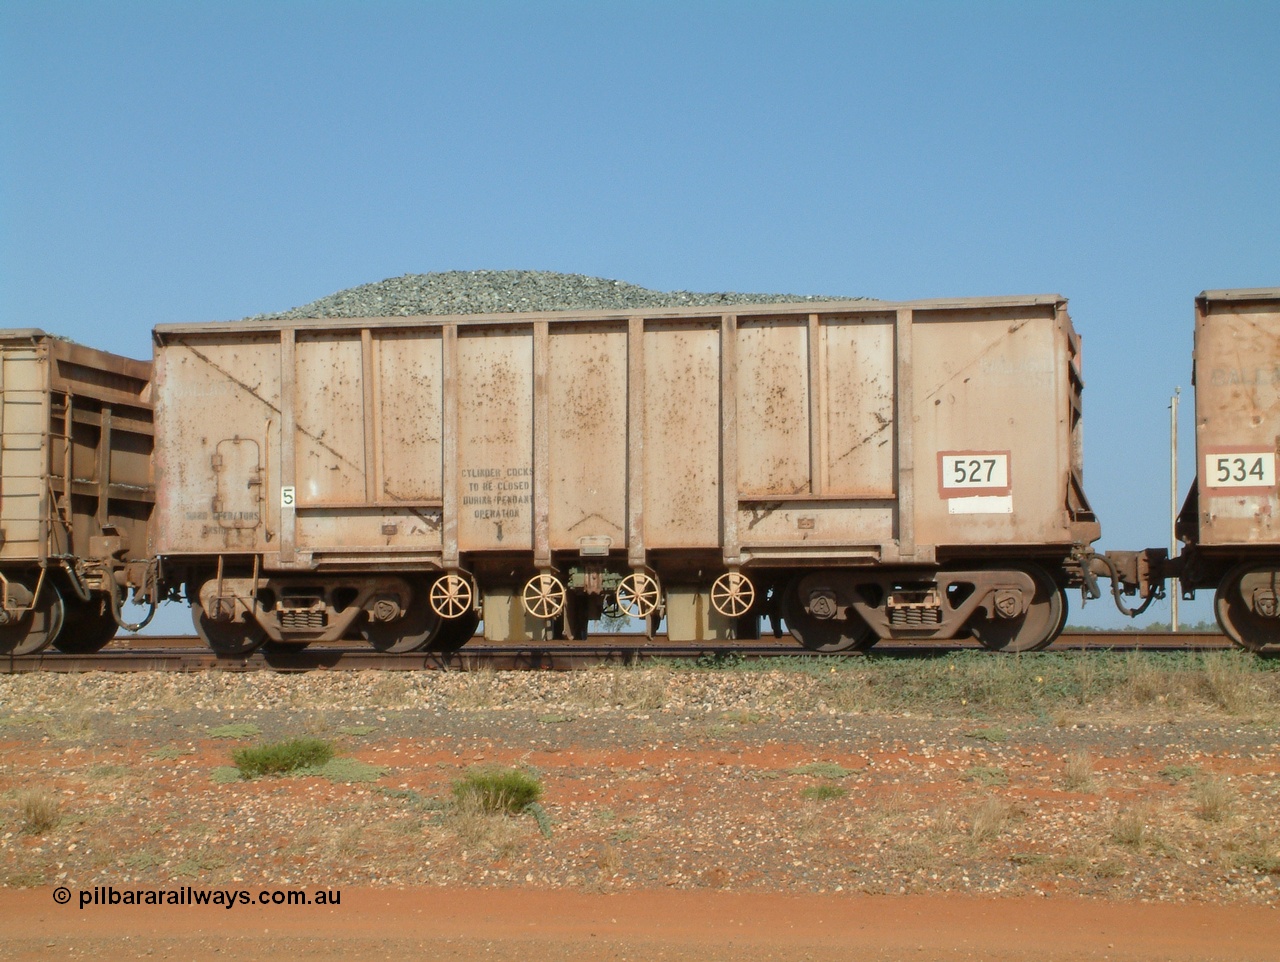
(188, 654)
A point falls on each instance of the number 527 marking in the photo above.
(969, 473)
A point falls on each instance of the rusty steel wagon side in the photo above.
(75, 490)
(859, 469)
(1230, 522)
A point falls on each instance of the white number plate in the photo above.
(1240, 470)
(287, 498)
(963, 474)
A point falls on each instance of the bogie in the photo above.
(1246, 607)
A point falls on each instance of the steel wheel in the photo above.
(733, 594)
(638, 595)
(86, 627)
(543, 597)
(226, 637)
(452, 596)
(1034, 629)
(413, 631)
(36, 629)
(456, 633)
(1245, 628)
(826, 635)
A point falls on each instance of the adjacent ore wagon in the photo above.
(1230, 523)
(75, 491)
(861, 469)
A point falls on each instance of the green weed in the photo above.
(169, 752)
(497, 791)
(823, 792)
(345, 770)
(235, 730)
(822, 770)
(279, 758)
(987, 775)
(993, 735)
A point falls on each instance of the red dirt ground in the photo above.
(504, 924)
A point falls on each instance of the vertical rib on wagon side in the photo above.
(861, 469)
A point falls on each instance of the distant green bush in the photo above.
(235, 730)
(497, 791)
(278, 758)
(823, 792)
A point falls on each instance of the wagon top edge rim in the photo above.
(1241, 294)
(799, 308)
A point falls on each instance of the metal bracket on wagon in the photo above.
(15, 600)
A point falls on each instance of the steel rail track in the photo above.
(188, 654)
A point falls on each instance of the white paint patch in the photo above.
(999, 504)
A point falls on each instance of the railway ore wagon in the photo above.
(1230, 523)
(75, 490)
(859, 469)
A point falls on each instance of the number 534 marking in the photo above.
(1240, 470)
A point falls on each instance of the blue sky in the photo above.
(166, 162)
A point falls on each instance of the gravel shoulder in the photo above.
(698, 784)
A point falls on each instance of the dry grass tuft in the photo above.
(1213, 799)
(38, 812)
(389, 689)
(1077, 772)
(1225, 684)
(643, 689)
(1132, 828)
(910, 856)
(477, 689)
(616, 686)
(1255, 850)
(989, 820)
(609, 860)
(482, 831)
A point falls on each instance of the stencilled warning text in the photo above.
(497, 493)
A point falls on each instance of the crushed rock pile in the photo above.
(500, 292)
